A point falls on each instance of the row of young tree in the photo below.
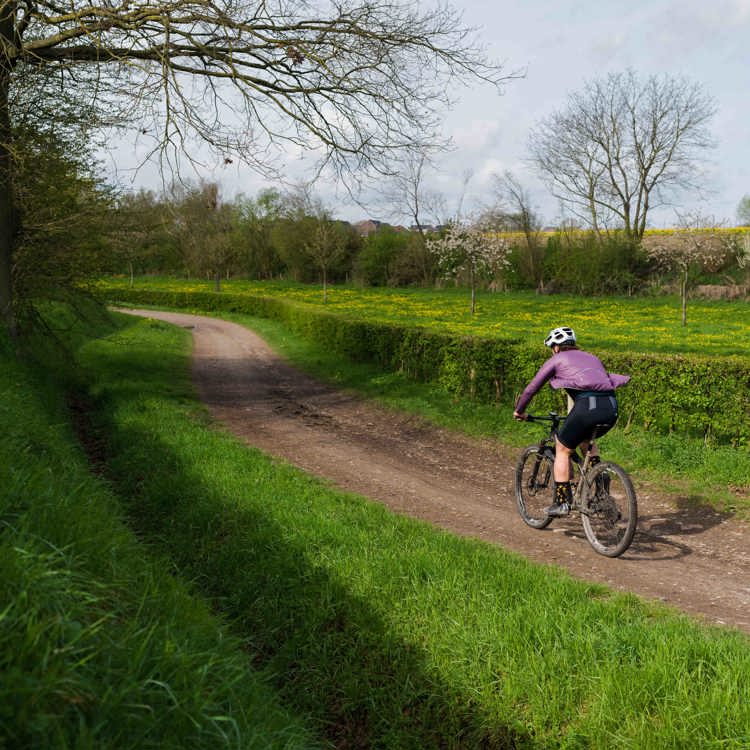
(291, 235)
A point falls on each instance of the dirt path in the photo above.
(693, 558)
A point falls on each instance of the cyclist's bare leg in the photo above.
(561, 467)
(563, 456)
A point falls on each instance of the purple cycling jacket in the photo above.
(572, 368)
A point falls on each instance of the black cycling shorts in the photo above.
(589, 410)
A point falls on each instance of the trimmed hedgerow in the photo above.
(692, 394)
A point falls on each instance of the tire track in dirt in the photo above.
(695, 559)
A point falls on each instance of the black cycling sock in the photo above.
(563, 493)
(594, 460)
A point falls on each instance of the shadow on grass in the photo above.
(328, 652)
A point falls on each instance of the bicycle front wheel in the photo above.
(609, 512)
(534, 486)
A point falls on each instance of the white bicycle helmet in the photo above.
(559, 336)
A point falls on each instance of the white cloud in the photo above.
(476, 135)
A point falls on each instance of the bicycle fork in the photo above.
(543, 452)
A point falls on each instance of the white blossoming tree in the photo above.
(694, 246)
(471, 251)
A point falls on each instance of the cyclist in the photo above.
(592, 391)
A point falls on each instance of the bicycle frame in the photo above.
(603, 494)
(549, 443)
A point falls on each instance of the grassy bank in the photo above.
(101, 645)
(385, 631)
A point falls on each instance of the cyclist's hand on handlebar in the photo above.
(520, 416)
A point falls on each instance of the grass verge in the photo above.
(101, 646)
(387, 632)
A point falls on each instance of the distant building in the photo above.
(367, 227)
(428, 228)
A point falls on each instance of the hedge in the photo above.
(691, 395)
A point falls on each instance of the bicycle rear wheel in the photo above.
(610, 511)
(534, 486)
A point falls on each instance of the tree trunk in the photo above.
(630, 230)
(217, 280)
(7, 216)
(683, 296)
(325, 286)
(473, 291)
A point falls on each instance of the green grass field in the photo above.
(646, 324)
(384, 631)
(204, 595)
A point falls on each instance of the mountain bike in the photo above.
(603, 494)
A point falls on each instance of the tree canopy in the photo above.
(358, 81)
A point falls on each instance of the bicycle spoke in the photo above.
(534, 487)
(610, 515)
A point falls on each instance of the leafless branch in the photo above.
(621, 145)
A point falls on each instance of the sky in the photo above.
(560, 45)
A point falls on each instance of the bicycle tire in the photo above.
(534, 485)
(609, 512)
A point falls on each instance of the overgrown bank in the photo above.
(101, 645)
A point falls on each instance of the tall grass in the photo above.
(387, 632)
(101, 645)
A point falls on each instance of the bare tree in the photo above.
(407, 194)
(694, 246)
(357, 80)
(622, 145)
(513, 212)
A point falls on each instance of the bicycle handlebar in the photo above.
(553, 417)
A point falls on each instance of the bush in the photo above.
(582, 263)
